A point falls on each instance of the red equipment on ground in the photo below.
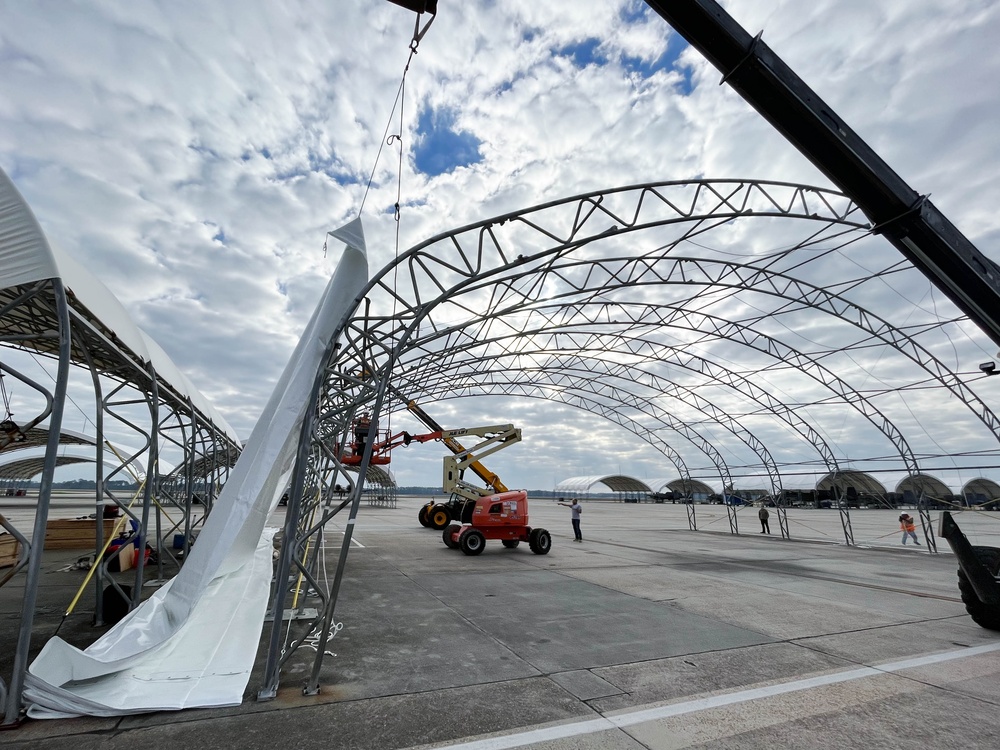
(491, 512)
(504, 517)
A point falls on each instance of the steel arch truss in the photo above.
(691, 310)
(139, 420)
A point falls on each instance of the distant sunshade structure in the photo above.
(192, 644)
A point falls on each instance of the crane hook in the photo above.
(419, 7)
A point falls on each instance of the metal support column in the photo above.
(926, 524)
(12, 710)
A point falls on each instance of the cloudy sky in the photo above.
(194, 155)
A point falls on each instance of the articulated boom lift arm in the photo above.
(497, 437)
(468, 457)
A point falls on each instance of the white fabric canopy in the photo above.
(26, 257)
(192, 644)
(614, 482)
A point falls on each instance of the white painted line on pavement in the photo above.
(353, 540)
(617, 721)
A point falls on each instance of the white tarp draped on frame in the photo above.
(194, 641)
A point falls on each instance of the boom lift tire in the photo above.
(446, 535)
(983, 614)
(422, 517)
(540, 541)
(510, 543)
(439, 516)
(472, 542)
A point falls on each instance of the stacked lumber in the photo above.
(10, 548)
(75, 533)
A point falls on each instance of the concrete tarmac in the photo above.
(646, 635)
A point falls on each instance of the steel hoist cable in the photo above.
(418, 35)
(396, 139)
(388, 140)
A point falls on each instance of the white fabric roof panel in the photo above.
(26, 257)
(982, 486)
(615, 482)
(659, 485)
(859, 480)
(85, 452)
(676, 484)
(25, 469)
(695, 487)
(931, 485)
(28, 468)
(577, 484)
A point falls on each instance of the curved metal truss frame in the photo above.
(657, 307)
(133, 406)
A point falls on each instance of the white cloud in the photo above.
(195, 157)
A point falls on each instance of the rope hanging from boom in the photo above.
(420, 7)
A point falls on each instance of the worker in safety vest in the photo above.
(908, 527)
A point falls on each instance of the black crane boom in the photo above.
(908, 220)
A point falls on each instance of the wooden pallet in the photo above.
(75, 533)
(10, 548)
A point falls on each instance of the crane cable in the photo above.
(418, 35)
(396, 138)
(388, 140)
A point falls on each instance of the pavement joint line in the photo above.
(631, 718)
(802, 640)
(756, 566)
